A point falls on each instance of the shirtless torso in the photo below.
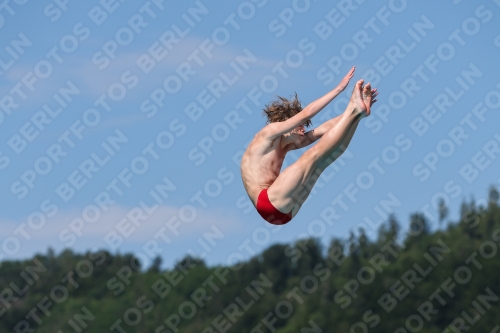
(261, 163)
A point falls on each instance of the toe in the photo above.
(367, 89)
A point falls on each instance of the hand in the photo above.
(345, 81)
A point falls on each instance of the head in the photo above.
(283, 109)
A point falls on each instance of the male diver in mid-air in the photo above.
(279, 196)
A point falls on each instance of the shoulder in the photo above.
(264, 133)
(265, 140)
(270, 131)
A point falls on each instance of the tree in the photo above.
(443, 210)
(493, 196)
(389, 230)
(352, 244)
(418, 229)
(338, 296)
(336, 253)
(310, 250)
(156, 265)
(418, 225)
(277, 266)
(464, 209)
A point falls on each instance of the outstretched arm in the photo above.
(320, 103)
(274, 130)
(316, 134)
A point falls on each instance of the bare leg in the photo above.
(290, 189)
(369, 99)
(340, 149)
(330, 158)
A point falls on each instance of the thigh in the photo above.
(293, 185)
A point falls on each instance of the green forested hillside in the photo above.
(421, 281)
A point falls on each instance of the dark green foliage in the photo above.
(434, 279)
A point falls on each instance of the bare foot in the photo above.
(356, 104)
(369, 97)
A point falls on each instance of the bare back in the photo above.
(261, 163)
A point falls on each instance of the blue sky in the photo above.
(103, 102)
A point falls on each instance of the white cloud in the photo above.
(94, 81)
(98, 81)
(68, 229)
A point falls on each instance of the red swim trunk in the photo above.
(268, 212)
